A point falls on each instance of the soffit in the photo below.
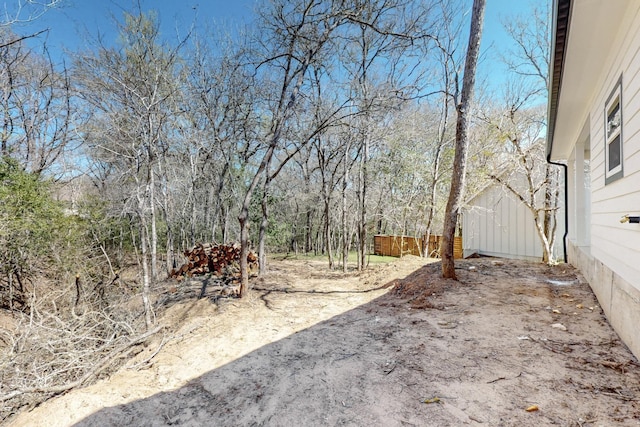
(593, 28)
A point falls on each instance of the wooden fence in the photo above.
(404, 245)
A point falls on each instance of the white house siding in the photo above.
(614, 244)
(495, 223)
(606, 251)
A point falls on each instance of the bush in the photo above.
(69, 319)
(35, 235)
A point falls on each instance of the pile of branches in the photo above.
(218, 260)
(61, 341)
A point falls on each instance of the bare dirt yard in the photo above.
(510, 344)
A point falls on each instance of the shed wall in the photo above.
(497, 224)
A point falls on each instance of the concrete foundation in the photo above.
(619, 300)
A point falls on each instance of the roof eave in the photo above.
(560, 35)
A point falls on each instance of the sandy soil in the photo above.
(310, 347)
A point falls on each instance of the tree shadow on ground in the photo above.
(337, 372)
(486, 354)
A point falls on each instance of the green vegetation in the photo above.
(353, 257)
(36, 237)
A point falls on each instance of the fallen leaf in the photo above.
(432, 400)
(559, 326)
(579, 306)
(557, 311)
(532, 408)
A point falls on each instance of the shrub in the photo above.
(35, 234)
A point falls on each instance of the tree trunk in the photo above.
(218, 208)
(262, 255)
(244, 249)
(166, 207)
(146, 282)
(345, 232)
(362, 232)
(307, 233)
(327, 229)
(540, 228)
(462, 142)
(146, 276)
(170, 258)
(192, 226)
(10, 279)
(243, 217)
(225, 224)
(548, 227)
(555, 195)
(435, 174)
(154, 231)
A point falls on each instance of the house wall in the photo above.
(579, 199)
(608, 251)
(614, 244)
(497, 224)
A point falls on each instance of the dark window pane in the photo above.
(614, 153)
(613, 112)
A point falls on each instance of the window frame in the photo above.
(610, 135)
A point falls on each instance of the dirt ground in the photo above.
(311, 347)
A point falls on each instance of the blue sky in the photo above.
(70, 24)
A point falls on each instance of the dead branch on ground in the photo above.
(103, 364)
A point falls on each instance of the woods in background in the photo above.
(327, 123)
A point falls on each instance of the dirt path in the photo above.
(312, 348)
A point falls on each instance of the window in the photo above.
(613, 134)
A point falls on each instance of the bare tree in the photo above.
(410, 168)
(348, 161)
(449, 71)
(517, 125)
(536, 186)
(37, 127)
(462, 143)
(318, 112)
(330, 152)
(218, 135)
(529, 58)
(383, 74)
(520, 122)
(296, 35)
(130, 91)
(22, 11)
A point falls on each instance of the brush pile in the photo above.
(219, 260)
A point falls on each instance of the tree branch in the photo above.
(88, 375)
(18, 40)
